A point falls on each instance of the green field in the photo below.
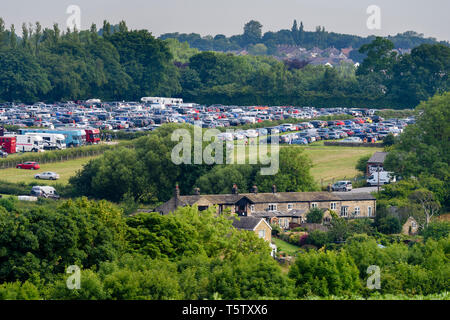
(65, 169)
(331, 163)
(286, 247)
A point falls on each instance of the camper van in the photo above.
(29, 143)
(44, 191)
(73, 137)
(51, 141)
(384, 178)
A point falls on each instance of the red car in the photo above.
(29, 165)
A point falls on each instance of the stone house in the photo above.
(278, 207)
(410, 227)
(257, 225)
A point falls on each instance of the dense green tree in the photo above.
(252, 32)
(315, 215)
(325, 273)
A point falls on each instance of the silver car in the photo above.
(47, 176)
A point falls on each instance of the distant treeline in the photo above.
(118, 64)
(296, 36)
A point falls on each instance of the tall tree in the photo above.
(252, 32)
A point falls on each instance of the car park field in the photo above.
(65, 169)
(332, 163)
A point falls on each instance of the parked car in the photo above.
(344, 185)
(48, 175)
(3, 154)
(352, 139)
(29, 165)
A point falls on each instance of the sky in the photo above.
(229, 16)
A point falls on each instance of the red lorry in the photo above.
(8, 144)
(92, 136)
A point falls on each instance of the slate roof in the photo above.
(279, 197)
(350, 196)
(295, 213)
(378, 157)
(246, 223)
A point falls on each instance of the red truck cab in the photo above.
(92, 136)
(8, 144)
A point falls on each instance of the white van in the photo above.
(385, 177)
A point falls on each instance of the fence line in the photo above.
(353, 144)
(42, 159)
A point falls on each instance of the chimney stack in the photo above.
(274, 189)
(234, 190)
(197, 191)
(255, 189)
(177, 191)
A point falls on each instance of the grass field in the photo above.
(65, 169)
(331, 163)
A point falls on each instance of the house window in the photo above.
(333, 206)
(252, 208)
(272, 207)
(313, 205)
(357, 211)
(344, 211)
(284, 223)
(369, 211)
(290, 206)
(262, 233)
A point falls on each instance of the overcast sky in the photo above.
(228, 16)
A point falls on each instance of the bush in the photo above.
(436, 230)
(325, 273)
(318, 238)
(389, 225)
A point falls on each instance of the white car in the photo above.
(251, 133)
(352, 139)
(344, 185)
(47, 176)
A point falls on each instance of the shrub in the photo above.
(315, 215)
(325, 273)
(318, 238)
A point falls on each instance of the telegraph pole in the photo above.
(378, 174)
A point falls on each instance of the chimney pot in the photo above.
(234, 190)
(197, 191)
(255, 189)
(274, 189)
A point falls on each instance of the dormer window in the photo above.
(272, 207)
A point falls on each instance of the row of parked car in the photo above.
(307, 132)
(150, 111)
